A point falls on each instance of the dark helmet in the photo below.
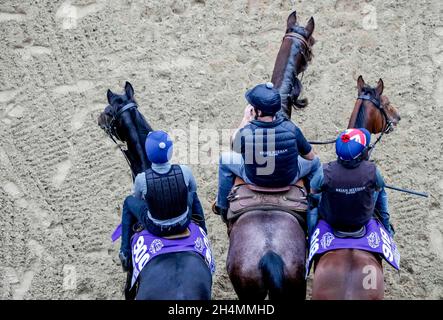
(265, 98)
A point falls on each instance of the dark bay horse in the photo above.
(340, 274)
(293, 57)
(122, 121)
(267, 249)
(171, 276)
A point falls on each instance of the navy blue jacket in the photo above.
(270, 151)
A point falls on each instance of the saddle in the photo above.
(350, 234)
(246, 197)
(138, 227)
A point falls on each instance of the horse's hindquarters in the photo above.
(348, 274)
(175, 276)
(261, 243)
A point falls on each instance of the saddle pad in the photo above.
(145, 246)
(376, 239)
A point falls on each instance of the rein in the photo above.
(388, 122)
(111, 130)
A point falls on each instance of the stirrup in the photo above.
(214, 208)
(222, 213)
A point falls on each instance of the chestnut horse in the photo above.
(292, 59)
(267, 249)
(340, 274)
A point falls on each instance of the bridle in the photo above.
(306, 52)
(388, 123)
(111, 129)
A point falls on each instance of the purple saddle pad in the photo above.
(376, 239)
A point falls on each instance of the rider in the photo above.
(351, 187)
(269, 149)
(164, 198)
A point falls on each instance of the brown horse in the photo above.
(267, 249)
(292, 59)
(341, 274)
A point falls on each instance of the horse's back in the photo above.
(175, 276)
(348, 274)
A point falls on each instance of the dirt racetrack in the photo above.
(190, 62)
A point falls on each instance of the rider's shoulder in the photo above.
(140, 178)
(185, 169)
(287, 123)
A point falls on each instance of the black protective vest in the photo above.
(167, 193)
(275, 139)
(347, 201)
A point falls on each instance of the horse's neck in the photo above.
(354, 114)
(136, 130)
(366, 117)
(285, 71)
(280, 63)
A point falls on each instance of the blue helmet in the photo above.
(351, 143)
(158, 147)
(264, 97)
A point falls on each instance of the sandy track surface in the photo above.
(63, 181)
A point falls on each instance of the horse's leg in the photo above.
(290, 242)
(247, 245)
(247, 286)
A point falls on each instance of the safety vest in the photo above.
(347, 200)
(272, 148)
(167, 193)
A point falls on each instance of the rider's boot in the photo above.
(223, 212)
(125, 260)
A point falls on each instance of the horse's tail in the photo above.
(272, 267)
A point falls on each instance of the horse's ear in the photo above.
(310, 27)
(109, 94)
(129, 90)
(360, 84)
(380, 87)
(292, 19)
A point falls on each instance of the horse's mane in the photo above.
(361, 115)
(290, 72)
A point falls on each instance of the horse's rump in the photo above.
(175, 276)
(348, 274)
(257, 240)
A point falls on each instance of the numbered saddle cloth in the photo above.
(376, 239)
(145, 246)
